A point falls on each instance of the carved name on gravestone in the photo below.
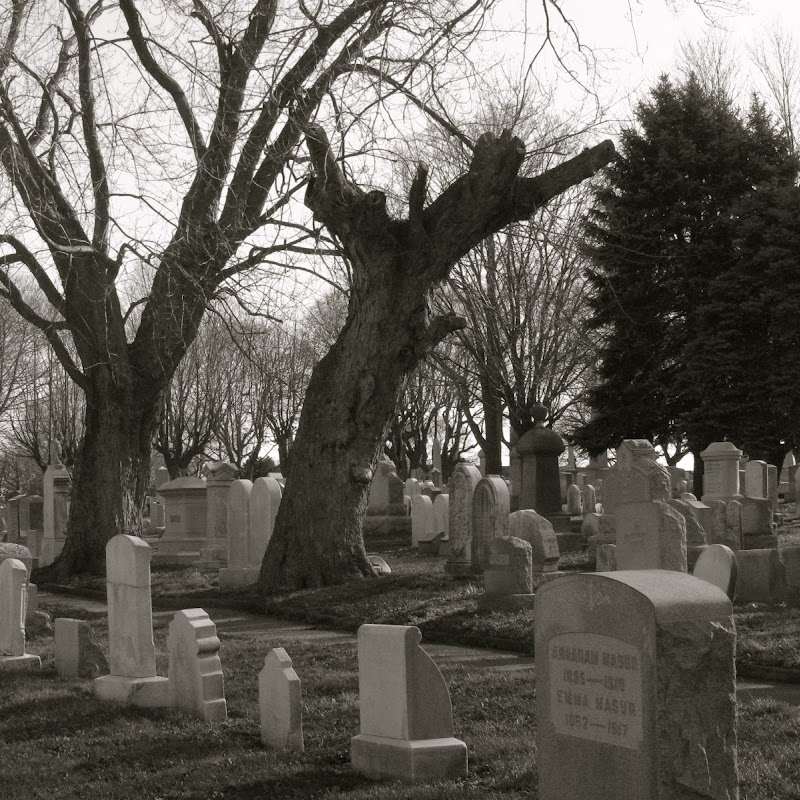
(635, 688)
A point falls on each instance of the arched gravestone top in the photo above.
(128, 561)
(717, 565)
(491, 506)
(635, 671)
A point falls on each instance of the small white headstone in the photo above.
(13, 605)
(422, 520)
(406, 716)
(574, 503)
(195, 673)
(279, 702)
(717, 565)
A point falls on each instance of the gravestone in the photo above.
(589, 499)
(18, 551)
(185, 524)
(196, 683)
(696, 537)
(436, 455)
(241, 569)
(538, 532)
(761, 577)
(412, 488)
(132, 658)
(772, 487)
(406, 717)
(441, 514)
(717, 565)
(378, 503)
(463, 481)
(574, 502)
(721, 471)
(78, 655)
(422, 520)
(759, 531)
(279, 703)
(157, 502)
(514, 471)
(650, 534)
(606, 558)
(265, 500)
(540, 488)
(635, 688)
(214, 548)
(755, 480)
(508, 576)
(56, 486)
(12, 519)
(791, 561)
(13, 608)
(491, 505)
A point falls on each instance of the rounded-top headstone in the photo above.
(128, 561)
(717, 565)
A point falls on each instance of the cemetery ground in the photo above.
(59, 741)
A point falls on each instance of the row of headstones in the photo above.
(475, 513)
(252, 509)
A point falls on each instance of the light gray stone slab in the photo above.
(279, 699)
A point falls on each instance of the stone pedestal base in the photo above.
(145, 692)
(50, 551)
(430, 546)
(233, 577)
(22, 663)
(459, 569)
(505, 602)
(420, 760)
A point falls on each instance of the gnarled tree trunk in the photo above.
(353, 390)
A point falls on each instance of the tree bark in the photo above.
(111, 474)
(493, 428)
(354, 389)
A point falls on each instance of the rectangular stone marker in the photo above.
(491, 505)
(406, 716)
(635, 688)
(463, 481)
(77, 653)
(132, 658)
(196, 683)
(279, 702)
(13, 605)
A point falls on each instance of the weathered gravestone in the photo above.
(650, 533)
(241, 569)
(721, 471)
(406, 716)
(132, 658)
(279, 703)
(756, 479)
(791, 561)
(13, 607)
(265, 500)
(508, 576)
(589, 500)
(196, 684)
(78, 655)
(533, 528)
(717, 565)
(606, 558)
(635, 688)
(185, 523)
(463, 481)
(214, 546)
(56, 486)
(761, 576)
(574, 501)
(422, 520)
(491, 505)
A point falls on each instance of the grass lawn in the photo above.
(58, 742)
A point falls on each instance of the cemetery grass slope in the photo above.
(58, 741)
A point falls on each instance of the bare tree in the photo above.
(777, 58)
(185, 173)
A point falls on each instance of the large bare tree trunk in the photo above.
(111, 475)
(353, 391)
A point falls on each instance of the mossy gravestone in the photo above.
(635, 688)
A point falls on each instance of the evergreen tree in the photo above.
(670, 239)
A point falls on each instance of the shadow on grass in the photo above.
(310, 782)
